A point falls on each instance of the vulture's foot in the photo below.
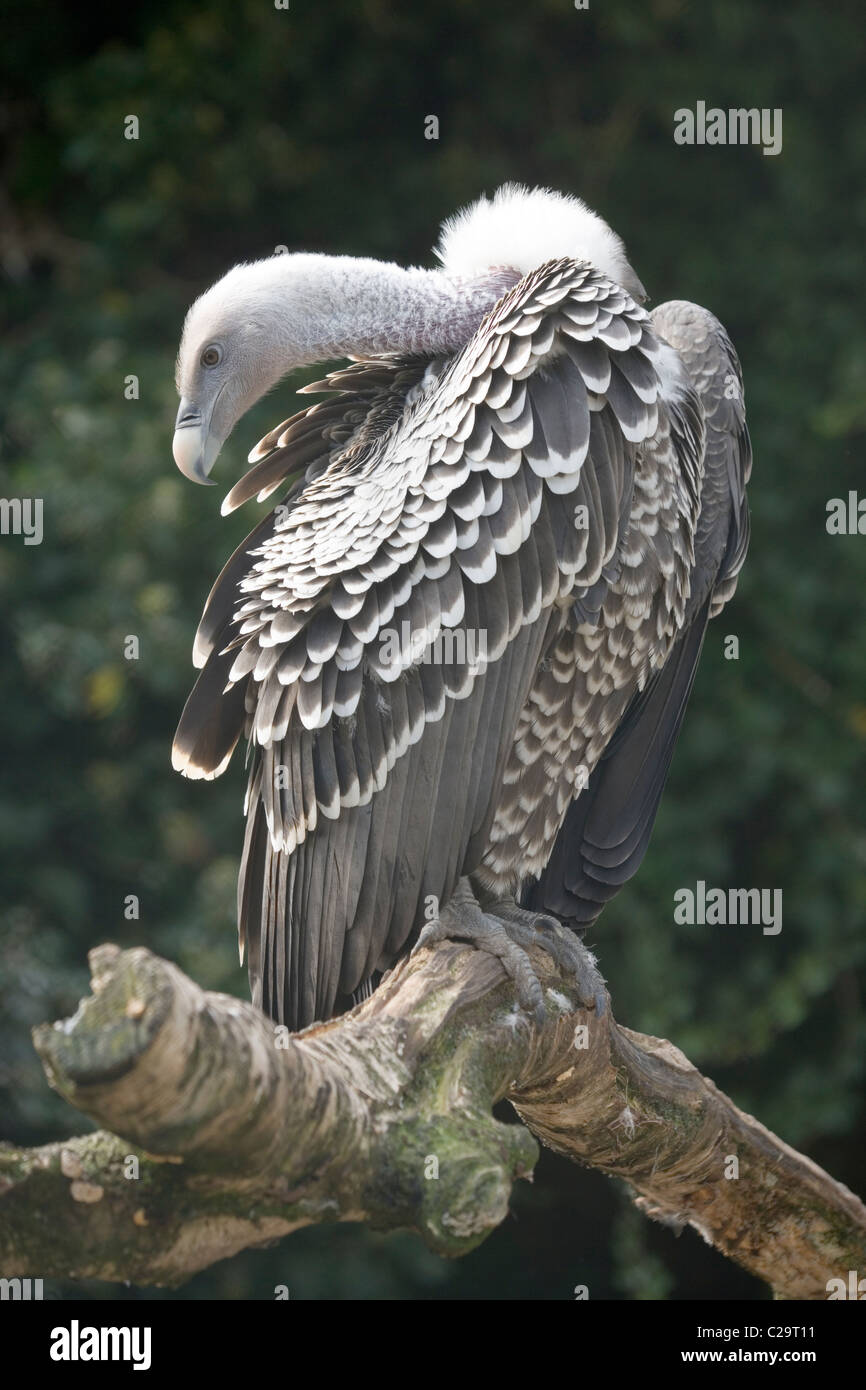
(507, 932)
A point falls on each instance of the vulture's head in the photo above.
(230, 354)
(265, 318)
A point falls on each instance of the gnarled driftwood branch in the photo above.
(222, 1131)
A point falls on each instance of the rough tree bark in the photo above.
(222, 1131)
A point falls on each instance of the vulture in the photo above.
(460, 646)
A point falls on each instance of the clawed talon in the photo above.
(507, 931)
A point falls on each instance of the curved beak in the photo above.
(194, 451)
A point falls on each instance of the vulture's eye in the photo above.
(211, 356)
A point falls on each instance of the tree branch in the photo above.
(235, 1133)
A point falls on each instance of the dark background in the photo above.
(306, 127)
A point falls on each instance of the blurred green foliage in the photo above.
(305, 127)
